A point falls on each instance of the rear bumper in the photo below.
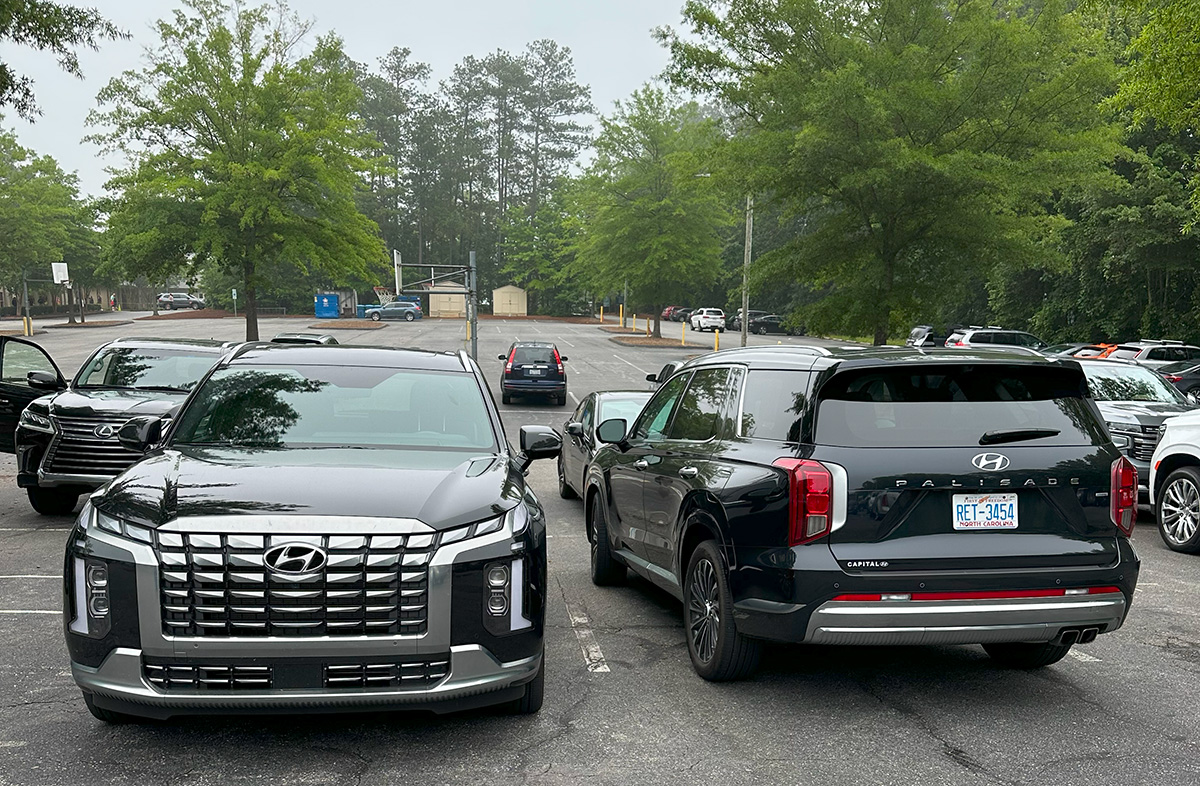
(476, 679)
(962, 621)
(533, 386)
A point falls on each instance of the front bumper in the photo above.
(476, 678)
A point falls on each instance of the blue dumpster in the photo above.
(325, 305)
(362, 311)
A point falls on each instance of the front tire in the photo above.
(606, 571)
(1025, 655)
(1178, 511)
(52, 502)
(375, 317)
(108, 716)
(196, 307)
(535, 689)
(718, 652)
(564, 488)
(762, 331)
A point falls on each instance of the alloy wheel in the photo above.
(704, 610)
(1180, 511)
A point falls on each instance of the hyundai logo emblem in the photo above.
(991, 462)
(104, 431)
(294, 559)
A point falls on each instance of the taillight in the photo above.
(508, 365)
(1122, 505)
(558, 360)
(810, 509)
(1171, 378)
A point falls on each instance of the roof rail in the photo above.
(465, 359)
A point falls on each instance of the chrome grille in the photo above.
(216, 585)
(1142, 441)
(409, 674)
(170, 676)
(78, 451)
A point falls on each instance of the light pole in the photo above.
(746, 268)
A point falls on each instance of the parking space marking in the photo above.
(35, 529)
(38, 611)
(32, 576)
(593, 656)
(626, 362)
(1083, 657)
(568, 343)
(574, 398)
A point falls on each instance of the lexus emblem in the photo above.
(991, 462)
(104, 431)
(294, 559)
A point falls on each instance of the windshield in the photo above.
(337, 406)
(1119, 382)
(145, 368)
(626, 409)
(956, 406)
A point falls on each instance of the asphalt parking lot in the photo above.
(622, 703)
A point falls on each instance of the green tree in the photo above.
(51, 27)
(649, 214)
(920, 140)
(231, 126)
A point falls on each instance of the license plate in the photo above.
(985, 511)
(535, 372)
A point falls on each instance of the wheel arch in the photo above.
(709, 524)
(1169, 464)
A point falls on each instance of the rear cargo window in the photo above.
(1125, 353)
(526, 355)
(957, 406)
(773, 403)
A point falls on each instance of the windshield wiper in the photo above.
(1017, 435)
(165, 388)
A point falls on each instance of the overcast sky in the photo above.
(614, 52)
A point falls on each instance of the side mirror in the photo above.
(563, 358)
(652, 377)
(612, 431)
(502, 357)
(141, 433)
(575, 429)
(538, 442)
(44, 380)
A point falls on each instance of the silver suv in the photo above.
(994, 338)
(1155, 353)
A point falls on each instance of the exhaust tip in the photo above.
(1088, 635)
(1069, 637)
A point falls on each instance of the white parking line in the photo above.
(593, 657)
(574, 398)
(626, 362)
(35, 529)
(32, 576)
(29, 611)
(568, 343)
(1083, 657)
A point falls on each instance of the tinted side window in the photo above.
(588, 417)
(1192, 353)
(19, 359)
(697, 418)
(773, 403)
(657, 413)
(1157, 354)
(982, 338)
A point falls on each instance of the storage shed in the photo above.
(447, 305)
(510, 301)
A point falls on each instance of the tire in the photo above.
(196, 307)
(535, 689)
(1178, 510)
(718, 652)
(562, 400)
(1022, 655)
(375, 317)
(169, 305)
(762, 331)
(564, 488)
(408, 317)
(606, 570)
(52, 502)
(506, 398)
(108, 716)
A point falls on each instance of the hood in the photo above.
(443, 489)
(1144, 413)
(77, 402)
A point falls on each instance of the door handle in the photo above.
(641, 464)
(688, 472)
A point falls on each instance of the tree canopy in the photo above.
(244, 151)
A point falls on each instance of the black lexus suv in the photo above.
(876, 497)
(66, 442)
(321, 528)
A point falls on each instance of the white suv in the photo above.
(708, 319)
(1175, 483)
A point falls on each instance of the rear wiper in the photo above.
(1017, 435)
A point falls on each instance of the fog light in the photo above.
(98, 605)
(97, 576)
(497, 576)
(497, 604)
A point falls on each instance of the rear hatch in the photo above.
(968, 467)
(536, 364)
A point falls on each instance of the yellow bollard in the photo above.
(634, 328)
(622, 315)
(683, 338)
(602, 315)
(468, 330)
(716, 341)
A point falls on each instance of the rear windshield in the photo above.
(957, 406)
(337, 406)
(1125, 353)
(129, 367)
(533, 355)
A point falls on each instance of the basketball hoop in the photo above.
(385, 295)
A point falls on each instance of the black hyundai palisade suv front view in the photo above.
(321, 528)
(872, 497)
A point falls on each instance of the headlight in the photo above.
(1133, 428)
(36, 422)
(92, 519)
(515, 521)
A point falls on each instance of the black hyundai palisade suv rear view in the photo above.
(871, 497)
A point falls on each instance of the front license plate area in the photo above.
(985, 511)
